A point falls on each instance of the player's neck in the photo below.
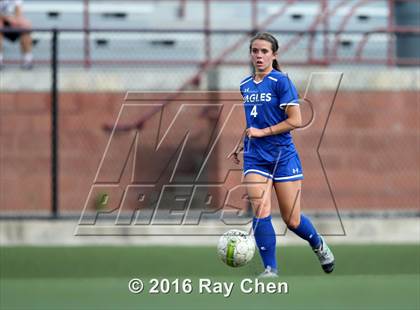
(260, 75)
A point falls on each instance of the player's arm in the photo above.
(294, 120)
(19, 20)
(18, 11)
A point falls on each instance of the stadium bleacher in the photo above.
(165, 15)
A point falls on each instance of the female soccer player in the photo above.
(270, 157)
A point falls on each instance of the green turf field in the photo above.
(367, 277)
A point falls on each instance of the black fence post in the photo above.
(54, 125)
(407, 14)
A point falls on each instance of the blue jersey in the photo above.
(265, 104)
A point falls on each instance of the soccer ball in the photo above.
(236, 248)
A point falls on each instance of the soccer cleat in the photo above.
(268, 273)
(325, 256)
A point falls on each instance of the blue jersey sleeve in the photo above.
(287, 93)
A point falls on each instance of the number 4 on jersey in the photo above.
(254, 111)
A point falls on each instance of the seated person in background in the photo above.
(11, 16)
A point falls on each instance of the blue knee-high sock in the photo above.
(307, 231)
(265, 237)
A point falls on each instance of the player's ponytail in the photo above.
(274, 45)
(276, 65)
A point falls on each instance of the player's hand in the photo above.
(234, 156)
(252, 132)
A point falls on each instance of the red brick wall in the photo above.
(369, 150)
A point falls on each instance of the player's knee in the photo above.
(292, 222)
(27, 24)
(262, 209)
(24, 24)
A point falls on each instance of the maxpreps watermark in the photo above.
(165, 169)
